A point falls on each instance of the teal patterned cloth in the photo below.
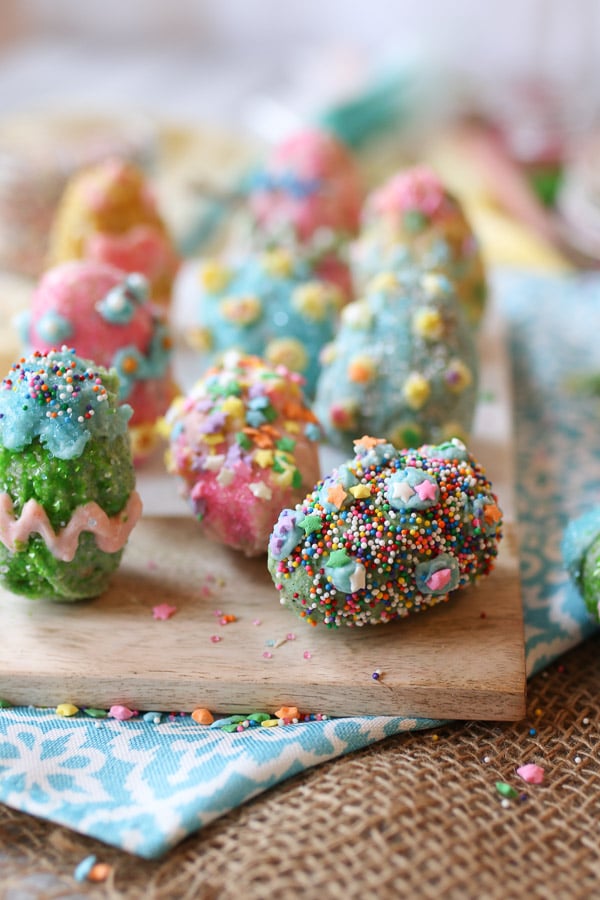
(553, 325)
(144, 786)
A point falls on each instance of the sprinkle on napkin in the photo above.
(122, 713)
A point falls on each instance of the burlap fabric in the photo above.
(417, 815)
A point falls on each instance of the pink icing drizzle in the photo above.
(111, 533)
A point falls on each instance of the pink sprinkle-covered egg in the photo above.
(244, 443)
(105, 315)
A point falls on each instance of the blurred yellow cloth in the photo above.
(505, 241)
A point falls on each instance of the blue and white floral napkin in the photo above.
(144, 786)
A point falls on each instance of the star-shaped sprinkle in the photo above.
(310, 524)
(213, 423)
(437, 581)
(214, 439)
(368, 442)
(260, 490)
(336, 495)
(243, 440)
(358, 578)
(360, 491)
(491, 513)
(233, 406)
(401, 490)
(255, 418)
(214, 463)
(163, 611)
(225, 477)
(264, 458)
(338, 559)
(287, 444)
(426, 490)
(287, 519)
(258, 401)
(232, 389)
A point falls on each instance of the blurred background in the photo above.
(212, 60)
(197, 88)
(501, 98)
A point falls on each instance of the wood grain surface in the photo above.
(448, 662)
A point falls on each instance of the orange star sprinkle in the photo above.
(260, 437)
(336, 495)
(287, 712)
(492, 513)
(368, 442)
(271, 431)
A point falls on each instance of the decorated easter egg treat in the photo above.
(108, 214)
(106, 316)
(309, 182)
(67, 497)
(403, 365)
(245, 444)
(389, 533)
(581, 553)
(326, 254)
(413, 219)
(270, 305)
(308, 197)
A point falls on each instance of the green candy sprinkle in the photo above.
(95, 713)
(414, 221)
(243, 440)
(505, 790)
(286, 444)
(269, 412)
(310, 524)
(338, 558)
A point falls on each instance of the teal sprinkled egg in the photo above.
(270, 305)
(403, 365)
(413, 219)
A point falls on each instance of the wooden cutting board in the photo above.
(449, 662)
(463, 659)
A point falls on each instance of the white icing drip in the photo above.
(111, 533)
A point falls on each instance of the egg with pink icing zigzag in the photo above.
(67, 484)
